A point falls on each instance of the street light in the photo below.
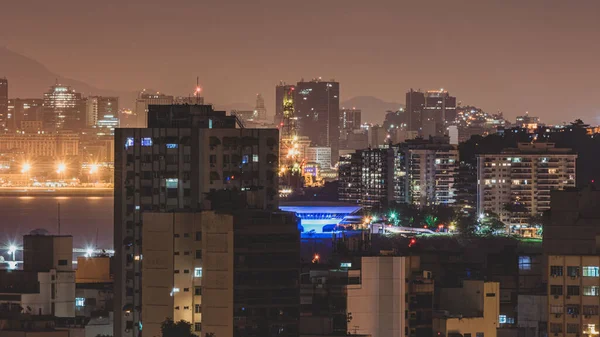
(12, 249)
(93, 168)
(25, 168)
(61, 168)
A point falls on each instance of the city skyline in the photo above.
(505, 56)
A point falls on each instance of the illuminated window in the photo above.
(590, 271)
(502, 319)
(172, 146)
(346, 265)
(524, 263)
(255, 158)
(198, 272)
(146, 141)
(128, 142)
(79, 302)
(210, 124)
(591, 290)
(245, 159)
(172, 183)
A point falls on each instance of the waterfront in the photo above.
(80, 216)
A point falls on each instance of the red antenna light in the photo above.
(413, 241)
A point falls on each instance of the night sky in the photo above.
(535, 55)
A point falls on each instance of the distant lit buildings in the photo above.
(429, 112)
(97, 107)
(3, 103)
(24, 109)
(317, 105)
(350, 119)
(431, 172)
(417, 172)
(472, 121)
(63, 109)
(33, 145)
(285, 106)
(319, 155)
(185, 152)
(146, 99)
(260, 109)
(245, 115)
(528, 122)
(516, 183)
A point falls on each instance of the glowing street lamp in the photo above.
(12, 250)
(25, 168)
(61, 168)
(93, 168)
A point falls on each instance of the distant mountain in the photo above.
(28, 78)
(373, 108)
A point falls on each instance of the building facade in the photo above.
(24, 109)
(4, 117)
(33, 145)
(573, 295)
(99, 107)
(64, 109)
(350, 119)
(390, 297)
(187, 151)
(516, 184)
(208, 274)
(261, 110)
(317, 107)
(319, 155)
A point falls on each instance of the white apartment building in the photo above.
(522, 178)
(431, 175)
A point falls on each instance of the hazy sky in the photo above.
(536, 55)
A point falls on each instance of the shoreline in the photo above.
(57, 192)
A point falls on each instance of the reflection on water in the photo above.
(81, 217)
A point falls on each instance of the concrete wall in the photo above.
(93, 269)
(378, 304)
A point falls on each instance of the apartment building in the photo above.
(516, 183)
(573, 295)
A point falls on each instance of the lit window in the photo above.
(146, 141)
(591, 290)
(198, 272)
(346, 265)
(128, 142)
(590, 271)
(245, 159)
(255, 158)
(502, 319)
(172, 183)
(210, 124)
(172, 146)
(137, 208)
(516, 182)
(524, 263)
(79, 302)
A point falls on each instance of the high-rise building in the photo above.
(439, 111)
(430, 112)
(228, 273)
(3, 102)
(63, 109)
(431, 171)
(146, 99)
(516, 183)
(285, 107)
(319, 155)
(99, 107)
(24, 109)
(261, 111)
(185, 152)
(415, 103)
(417, 172)
(317, 109)
(350, 119)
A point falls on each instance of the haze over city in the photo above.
(512, 56)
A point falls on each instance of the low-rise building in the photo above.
(472, 310)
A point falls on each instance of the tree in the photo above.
(467, 225)
(169, 328)
(431, 221)
(490, 224)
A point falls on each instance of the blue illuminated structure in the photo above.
(319, 216)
